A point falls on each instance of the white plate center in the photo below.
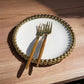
(57, 42)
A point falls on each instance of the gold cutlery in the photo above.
(46, 30)
(38, 34)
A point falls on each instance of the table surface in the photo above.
(12, 66)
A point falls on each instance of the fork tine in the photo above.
(51, 28)
(37, 30)
(48, 23)
(48, 27)
(41, 29)
(44, 27)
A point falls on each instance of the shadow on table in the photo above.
(65, 8)
(12, 49)
(14, 52)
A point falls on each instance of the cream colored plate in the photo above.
(57, 44)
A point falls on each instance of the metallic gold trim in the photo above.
(44, 61)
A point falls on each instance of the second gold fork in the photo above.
(46, 30)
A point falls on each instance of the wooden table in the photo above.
(12, 65)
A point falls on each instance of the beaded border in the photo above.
(45, 61)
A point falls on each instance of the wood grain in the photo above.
(12, 65)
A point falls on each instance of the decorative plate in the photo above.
(59, 43)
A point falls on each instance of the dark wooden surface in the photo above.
(12, 66)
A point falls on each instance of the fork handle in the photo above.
(41, 51)
(32, 53)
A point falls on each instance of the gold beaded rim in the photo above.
(45, 61)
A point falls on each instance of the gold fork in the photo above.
(46, 30)
(38, 34)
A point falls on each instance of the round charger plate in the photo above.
(59, 43)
